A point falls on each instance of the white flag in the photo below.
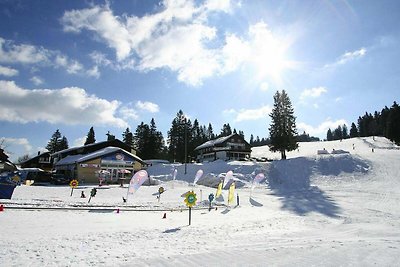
(174, 174)
(198, 176)
(228, 177)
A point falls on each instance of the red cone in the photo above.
(165, 215)
(1, 208)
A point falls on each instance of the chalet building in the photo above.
(109, 163)
(41, 161)
(82, 150)
(5, 164)
(232, 147)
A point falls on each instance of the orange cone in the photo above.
(165, 215)
(1, 208)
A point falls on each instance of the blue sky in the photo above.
(70, 65)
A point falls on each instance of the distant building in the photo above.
(111, 163)
(232, 147)
(41, 161)
(5, 164)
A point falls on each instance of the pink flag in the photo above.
(198, 176)
(259, 177)
(137, 180)
(228, 177)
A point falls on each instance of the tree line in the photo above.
(385, 123)
(150, 143)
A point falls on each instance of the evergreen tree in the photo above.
(127, 137)
(345, 133)
(353, 131)
(90, 138)
(282, 130)
(63, 143)
(57, 142)
(251, 139)
(141, 140)
(156, 142)
(210, 133)
(393, 123)
(226, 130)
(178, 136)
(329, 135)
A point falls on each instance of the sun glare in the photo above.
(269, 54)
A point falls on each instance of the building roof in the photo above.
(214, 142)
(92, 147)
(72, 159)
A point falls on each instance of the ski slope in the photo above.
(311, 210)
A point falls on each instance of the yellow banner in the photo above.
(219, 190)
(231, 195)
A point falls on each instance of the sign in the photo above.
(161, 190)
(74, 184)
(190, 199)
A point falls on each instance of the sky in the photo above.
(71, 65)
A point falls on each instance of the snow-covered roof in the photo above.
(105, 151)
(214, 142)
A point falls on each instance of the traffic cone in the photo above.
(1, 208)
(165, 215)
(117, 210)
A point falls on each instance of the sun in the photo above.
(269, 53)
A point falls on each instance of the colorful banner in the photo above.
(228, 177)
(219, 190)
(137, 180)
(198, 176)
(231, 194)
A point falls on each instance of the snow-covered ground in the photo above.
(311, 210)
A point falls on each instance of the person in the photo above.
(83, 195)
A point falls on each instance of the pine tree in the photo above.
(353, 131)
(226, 130)
(177, 137)
(63, 143)
(329, 135)
(251, 139)
(210, 133)
(282, 130)
(127, 137)
(393, 123)
(57, 142)
(156, 141)
(90, 138)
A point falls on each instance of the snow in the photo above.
(311, 210)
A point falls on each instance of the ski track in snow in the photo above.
(340, 210)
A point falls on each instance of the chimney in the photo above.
(38, 153)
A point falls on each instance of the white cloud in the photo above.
(23, 142)
(12, 53)
(313, 92)
(79, 141)
(249, 114)
(128, 113)
(347, 57)
(148, 106)
(94, 72)
(36, 80)
(70, 105)
(321, 129)
(37, 56)
(9, 72)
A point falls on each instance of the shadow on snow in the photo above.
(290, 181)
